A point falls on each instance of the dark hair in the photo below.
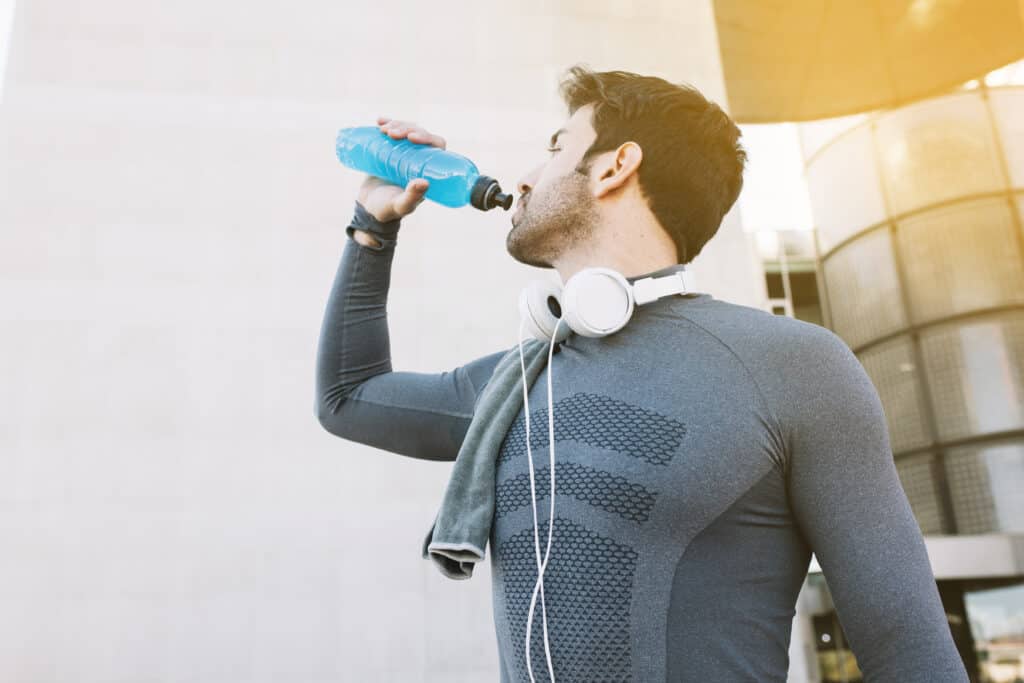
(692, 168)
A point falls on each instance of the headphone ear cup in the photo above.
(597, 301)
(536, 301)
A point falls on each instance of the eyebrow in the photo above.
(554, 138)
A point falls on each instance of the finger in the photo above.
(418, 186)
(423, 137)
(400, 128)
(413, 195)
(395, 131)
(381, 120)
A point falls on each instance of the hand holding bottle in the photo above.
(386, 201)
(401, 154)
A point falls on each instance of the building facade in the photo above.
(918, 260)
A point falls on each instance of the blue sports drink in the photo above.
(454, 179)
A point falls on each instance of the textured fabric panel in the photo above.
(601, 422)
(587, 594)
(601, 489)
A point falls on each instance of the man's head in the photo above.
(640, 163)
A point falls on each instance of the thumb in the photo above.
(413, 195)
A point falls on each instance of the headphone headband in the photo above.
(649, 289)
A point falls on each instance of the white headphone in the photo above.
(595, 302)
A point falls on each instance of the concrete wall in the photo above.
(173, 216)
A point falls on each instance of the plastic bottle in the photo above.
(454, 179)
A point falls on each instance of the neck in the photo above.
(633, 245)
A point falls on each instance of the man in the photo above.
(703, 451)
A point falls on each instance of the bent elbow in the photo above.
(328, 412)
(323, 417)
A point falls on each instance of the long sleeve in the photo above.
(851, 507)
(358, 395)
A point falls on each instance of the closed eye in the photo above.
(554, 149)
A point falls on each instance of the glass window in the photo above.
(845, 192)
(985, 484)
(996, 618)
(917, 474)
(863, 290)
(836, 661)
(936, 150)
(892, 370)
(1008, 108)
(975, 375)
(816, 134)
(960, 258)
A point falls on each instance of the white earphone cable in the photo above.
(533, 496)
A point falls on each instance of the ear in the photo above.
(615, 169)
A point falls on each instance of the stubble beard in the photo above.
(559, 220)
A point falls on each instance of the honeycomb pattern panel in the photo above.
(601, 489)
(864, 289)
(976, 373)
(601, 422)
(848, 161)
(970, 489)
(985, 483)
(917, 475)
(936, 150)
(588, 585)
(961, 258)
(894, 373)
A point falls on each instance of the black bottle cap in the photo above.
(486, 194)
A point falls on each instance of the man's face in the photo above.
(556, 210)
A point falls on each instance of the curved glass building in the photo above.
(919, 213)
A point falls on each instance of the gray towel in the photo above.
(462, 527)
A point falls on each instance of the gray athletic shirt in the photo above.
(702, 453)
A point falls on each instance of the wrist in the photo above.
(371, 233)
(366, 239)
(364, 220)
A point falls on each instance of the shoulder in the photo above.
(812, 382)
(767, 340)
(795, 364)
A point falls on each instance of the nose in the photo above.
(523, 187)
(526, 183)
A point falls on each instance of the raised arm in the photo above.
(849, 502)
(358, 395)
